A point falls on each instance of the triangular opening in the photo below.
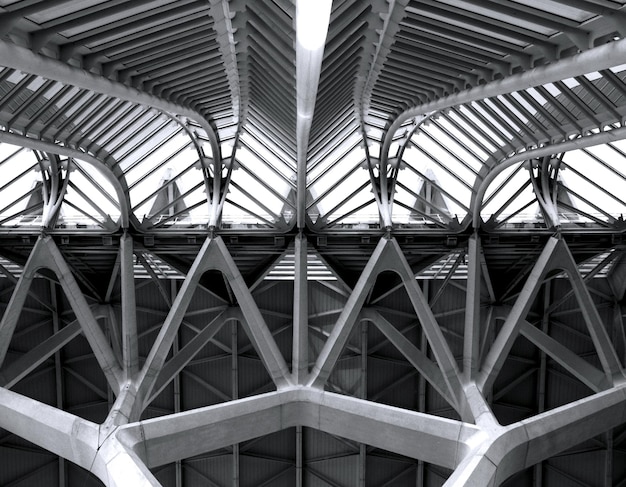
(430, 202)
(48, 356)
(450, 266)
(556, 316)
(406, 300)
(284, 269)
(567, 323)
(158, 267)
(9, 269)
(208, 341)
(388, 371)
(168, 200)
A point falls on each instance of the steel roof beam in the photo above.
(599, 58)
(64, 151)
(26, 61)
(220, 10)
(133, 44)
(579, 143)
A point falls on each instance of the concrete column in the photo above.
(300, 352)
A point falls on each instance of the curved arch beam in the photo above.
(580, 143)
(36, 144)
(26, 61)
(596, 59)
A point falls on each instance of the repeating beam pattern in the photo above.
(477, 447)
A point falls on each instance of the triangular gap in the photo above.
(326, 301)
(405, 374)
(343, 327)
(283, 269)
(34, 206)
(328, 460)
(555, 260)
(568, 324)
(168, 200)
(157, 266)
(253, 322)
(9, 269)
(48, 354)
(325, 306)
(493, 358)
(450, 266)
(430, 202)
(438, 343)
(196, 339)
(532, 382)
(508, 275)
(594, 321)
(213, 256)
(514, 395)
(205, 348)
(45, 257)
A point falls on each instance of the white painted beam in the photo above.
(22, 59)
(596, 59)
(163, 440)
(312, 19)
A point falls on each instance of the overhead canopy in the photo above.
(206, 92)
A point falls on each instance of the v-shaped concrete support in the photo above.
(45, 254)
(389, 257)
(213, 256)
(555, 256)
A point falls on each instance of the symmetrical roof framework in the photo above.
(166, 165)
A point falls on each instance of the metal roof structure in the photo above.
(312, 243)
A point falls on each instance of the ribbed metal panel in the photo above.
(166, 474)
(346, 374)
(205, 384)
(279, 445)
(254, 471)
(393, 383)
(253, 378)
(341, 470)
(388, 469)
(20, 465)
(563, 388)
(162, 404)
(319, 445)
(79, 476)
(567, 469)
(215, 467)
(435, 476)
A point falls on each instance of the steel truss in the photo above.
(477, 447)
